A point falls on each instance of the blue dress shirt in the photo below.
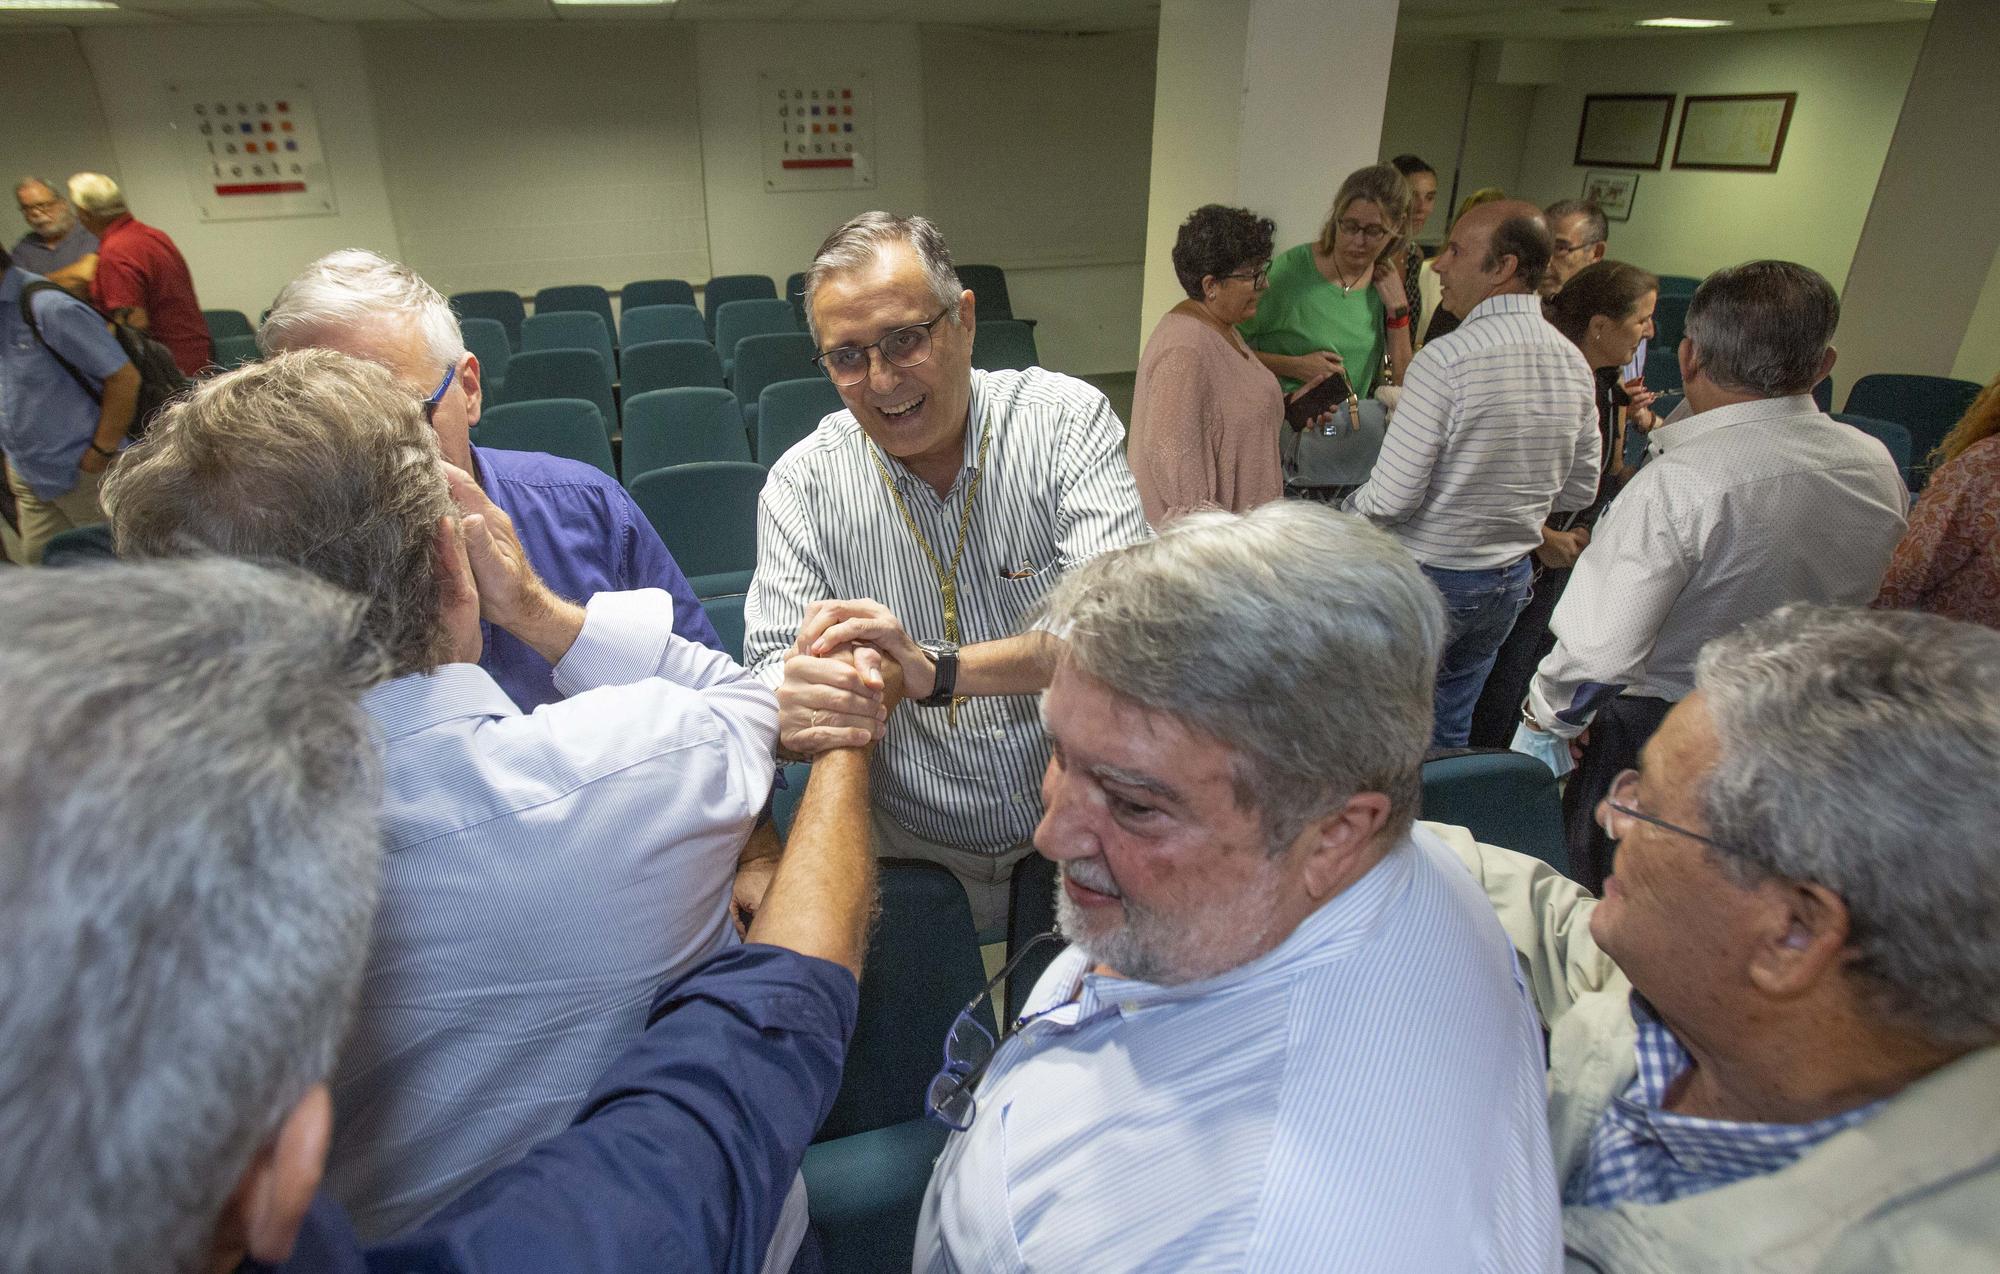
(680, 1158)
(543, 874)
(46, 418)
(1368, 1096)
(584, 536)
(35, 256)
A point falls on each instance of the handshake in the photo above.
(851, 664)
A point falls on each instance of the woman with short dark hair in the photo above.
(1205, 412)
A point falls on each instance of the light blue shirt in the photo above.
(46, 418)
(544, 875)
(1366, 1097)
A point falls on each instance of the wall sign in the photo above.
(252, 153)
(1734, 132)
(1624, 130)
(818, 133)
(1611, 192)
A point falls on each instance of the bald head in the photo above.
(1494, 249)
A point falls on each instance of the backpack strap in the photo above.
(28, 293)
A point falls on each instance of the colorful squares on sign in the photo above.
(847, 128)
(267, 125)
(283, 107)
(246, 126)
(847, 92)
(290, 144)
(287, 126)
(815, 128)
(815, 110)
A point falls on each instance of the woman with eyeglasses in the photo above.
(1338, 304)
(1205, 412)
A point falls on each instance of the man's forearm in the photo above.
(120, 404)
(823, 897)
(549, 627)
(1017, 665)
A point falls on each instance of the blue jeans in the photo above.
(1479, 609)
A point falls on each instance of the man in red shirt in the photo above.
(140, 271)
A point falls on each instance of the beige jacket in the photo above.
(1915, 1188)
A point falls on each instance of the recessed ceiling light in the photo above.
(626, 4)
(1685, 24)
(56, 4)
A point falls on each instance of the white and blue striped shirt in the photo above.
(1056, 493)
(1366, 1097)
(1496, 428)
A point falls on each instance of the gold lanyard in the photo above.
(947, 578)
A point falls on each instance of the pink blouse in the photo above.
(1949, 560)
(1205, 421)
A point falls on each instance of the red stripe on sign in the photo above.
(263, 188)
(818, 163)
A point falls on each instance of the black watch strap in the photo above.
(944, 657)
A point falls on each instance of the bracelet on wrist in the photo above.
(1397, 324)
(108, 455)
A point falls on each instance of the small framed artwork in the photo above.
(1624, 130)
(1611, 192)
(1734, 132)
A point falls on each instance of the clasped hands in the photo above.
(852, 663)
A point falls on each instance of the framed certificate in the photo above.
(1624, 130)
(1734, 132)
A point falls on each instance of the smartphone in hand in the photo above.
(1317, 401)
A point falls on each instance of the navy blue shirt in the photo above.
(584, 536)
(37, 257)
(680, 1159)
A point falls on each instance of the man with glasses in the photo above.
(55, 247)
(582, 532)
(1580, 236)
(1496, 428)
(1773, 1043)
(1752, 499)
(927, 519)
(1288, 1035)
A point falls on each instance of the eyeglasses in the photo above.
(1621, 803)
(431, 403)
(904, 347)
(45, 205)
(1355, 229)
(1564, 245)
(968, 1049)
(1257, 277)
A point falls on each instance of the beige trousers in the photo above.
(42, 520)
(984, 876)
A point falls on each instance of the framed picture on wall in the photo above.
(1611, 192)
(1734, 132)
(1624, 130)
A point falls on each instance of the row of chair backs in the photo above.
(645, 293)
(234, 351)
(739, 320)
(671, 365)
(580, 298)
(563, 373)
(487, 341)
(706, 513)
(223, 324)
(1927, 406)
(560, 426)
(569, 329)
(1678, 284)
(668, 427)
(724, 288)
(504, 308)
(1000, 345)
(674, 322)
(1669, 320)
(766, 359)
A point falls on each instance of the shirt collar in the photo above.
(1688, 428)
(1507, 303)
(417, 701)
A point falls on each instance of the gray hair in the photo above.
(355, 288)
(1305, 640)
(96, 194)
(1764, 327)
(309, 459)
(857, 243)
(1858, 752)
(43, 182)
(1599, 228)
(190, 795)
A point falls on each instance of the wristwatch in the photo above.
(1400, 312)
(944, 656)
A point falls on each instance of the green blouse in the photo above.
(1302, 313)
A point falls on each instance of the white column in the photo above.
(1263, 103)
(1928, 248)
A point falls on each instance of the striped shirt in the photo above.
(1496, 428)
(1367, 1096)
(1742, 509)
(1641, 1152)
(1056, 492)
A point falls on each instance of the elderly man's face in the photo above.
(401, 348)
(1165, 877)
(1574, 249)
(45, 211)
(916, 414)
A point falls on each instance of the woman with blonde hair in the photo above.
(1337, 304)
(1949, 560)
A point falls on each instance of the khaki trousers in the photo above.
(984, 876)
(42, 520)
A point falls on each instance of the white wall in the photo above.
(240, 264)
(54, 123)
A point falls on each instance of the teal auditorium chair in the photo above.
(568, 329)
(666, 427)
(1678, 284)
(795, 292)
(661, 323)
(988, 285)
(1003, 345)
(645, 293)
(1927, 406)
(234, 351)
(1892, 435)
(707, 515)
(80, 546)
(739, 320)
(671, 365)
(586, 298)
(1504, 798)
(724, 288)
(1669, 321)
(1822, 394)
(790, 410)
(563, 373)
(1663, 369)
(223, 324)
(866, 1174)
(504, 308)
(560, 426)
(766, 360)
(487, 341)
(726, 615)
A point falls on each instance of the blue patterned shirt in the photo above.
(1643, 1153)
